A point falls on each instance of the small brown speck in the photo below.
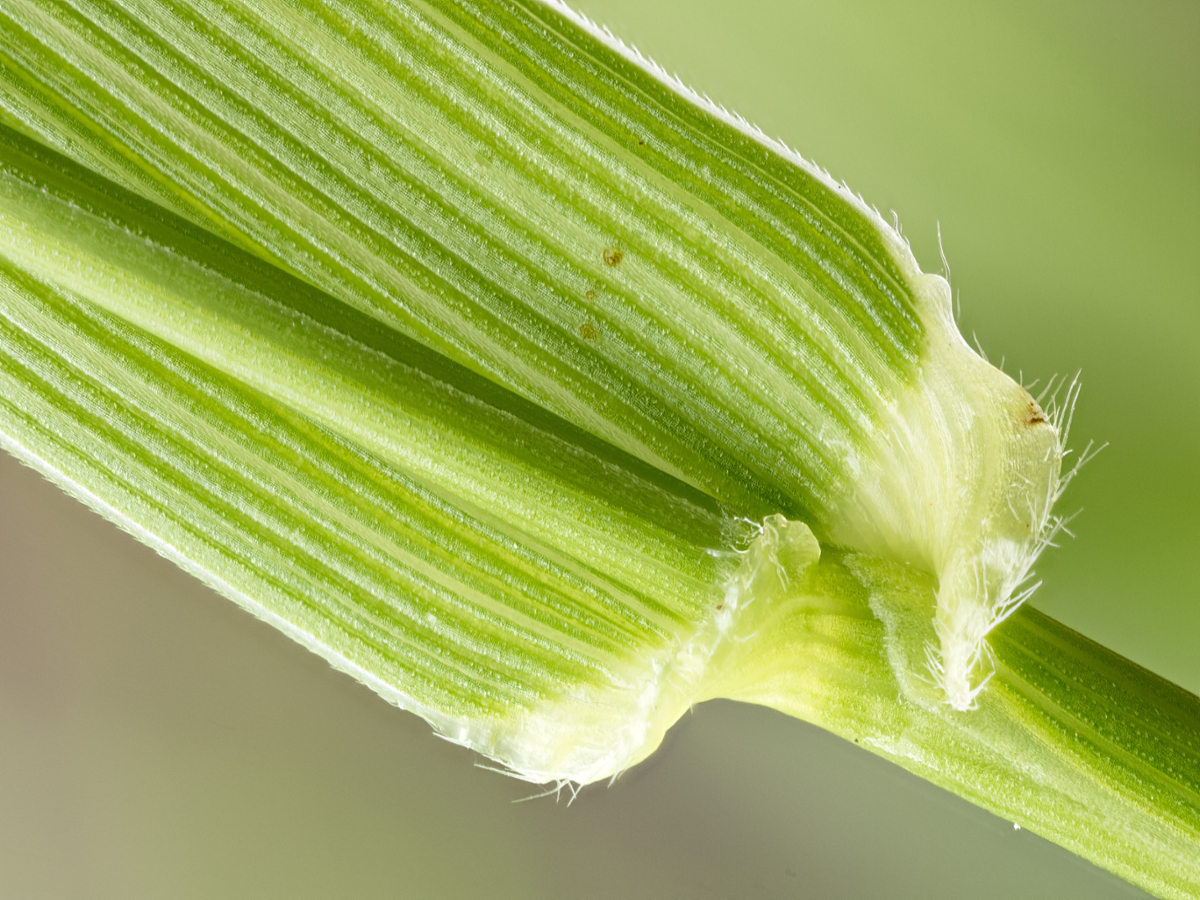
(591, 295)
(613, 256)
(1035, 416)
(588, 332)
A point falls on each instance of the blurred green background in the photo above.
(155, 741)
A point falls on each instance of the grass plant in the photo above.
(547, 398)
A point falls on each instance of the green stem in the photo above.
(1070, 740)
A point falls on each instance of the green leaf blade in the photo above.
(445, 197)
(481, 570)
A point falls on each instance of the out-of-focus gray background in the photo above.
(155, 741)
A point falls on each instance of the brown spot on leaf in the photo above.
(1034, 415)
(613, 256)
(591, 295)
(588, 332)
